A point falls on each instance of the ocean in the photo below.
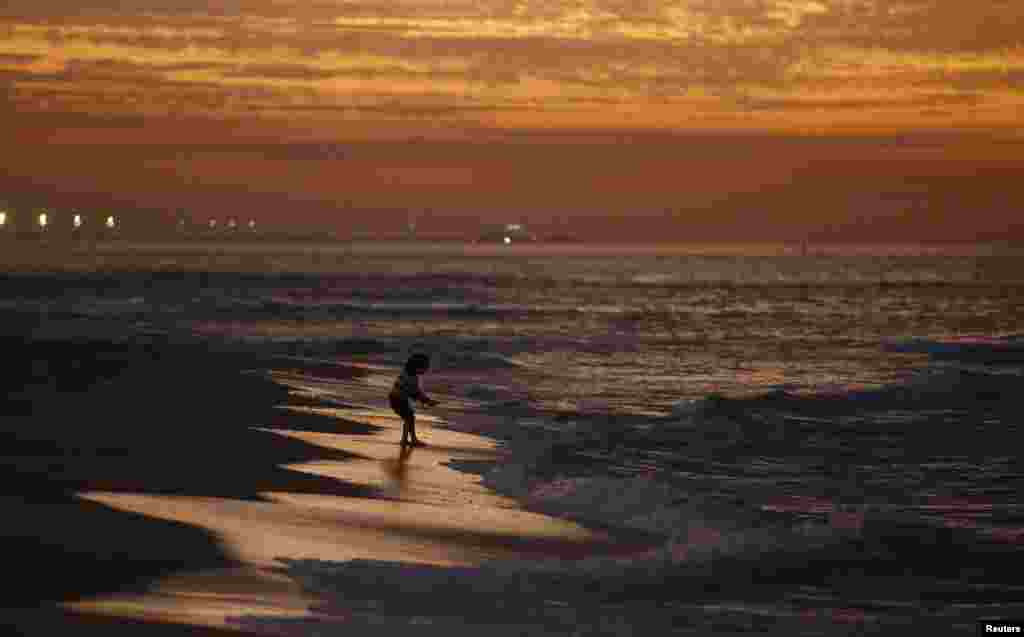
(635, 331)
(847, 408)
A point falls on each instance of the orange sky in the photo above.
(650, 120)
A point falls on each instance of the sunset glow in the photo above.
(361, 70)
(771, 60)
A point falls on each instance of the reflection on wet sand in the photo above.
(422, 511)
(398, 469)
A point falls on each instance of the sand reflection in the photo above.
(397, 469)
(425, 512)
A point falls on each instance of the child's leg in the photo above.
(406, 428)
(401, 408)
(412, 427)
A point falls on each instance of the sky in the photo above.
(649, 120)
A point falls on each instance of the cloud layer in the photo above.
(511, 63)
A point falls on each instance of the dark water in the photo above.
(841, 430)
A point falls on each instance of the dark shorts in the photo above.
(402, 407)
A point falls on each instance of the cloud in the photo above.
(921, 25)
(17, 59)
(33, 9)
(929, 101)
(713, 59)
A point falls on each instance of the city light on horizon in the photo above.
(655, 121)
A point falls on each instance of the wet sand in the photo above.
(155, 485)
(158, 485)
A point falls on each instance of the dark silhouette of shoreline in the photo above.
(88, 414)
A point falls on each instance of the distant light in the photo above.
(77, 221)
(232, 223)
(43, 220)
(111, 222)
(252, 223)
(514, 227)
(3, 218)
(508, 239)
(213, 223)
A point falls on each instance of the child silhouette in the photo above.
(405, 390)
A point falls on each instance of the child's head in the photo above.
(417, 364)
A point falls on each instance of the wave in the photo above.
(470, 309)
(450, 355)
(477, 360)
(484, 392)
(254, 305)
(249, 307)
(768, 504)
(991, 350)
(626, 469)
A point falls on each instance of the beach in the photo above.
(201, 448)
(723, 304)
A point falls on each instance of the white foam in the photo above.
(655, 278)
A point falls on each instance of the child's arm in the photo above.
(426, 400)
(420, 396)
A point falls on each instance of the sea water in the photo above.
(807, 389)
(631, 330)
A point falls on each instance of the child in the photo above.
(407, 388)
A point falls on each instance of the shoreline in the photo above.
(88, 458)
(251, 524)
